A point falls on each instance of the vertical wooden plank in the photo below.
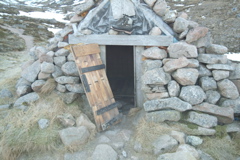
(139, 98)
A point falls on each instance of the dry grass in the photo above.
(221, 149)
(134, 111)
(49, 86)
(23, 134)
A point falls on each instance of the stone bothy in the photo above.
(175, 71)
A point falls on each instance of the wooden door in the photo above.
(98, 91)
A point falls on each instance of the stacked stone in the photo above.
(190, 80)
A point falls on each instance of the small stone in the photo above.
(208, 83)
(69, 97)
(62, 44)
(66, 120)
(50, 53)
(188, 148)
(43, 123)
(47, 67)
(64, 32)
(168, 103)
(180, 25)
(76, 88)
(59, 61)
(28, 98)
(57, 72)
(155, 31)
(194, 141)
(61, 88)
(112, 32)
(5, 93)
(67, 80)
(219, 74)
(179, 136)
(228, 89)
(76, 18)
(70, 57)
(138, 147)
(235, 104)
(184, 34)
(70, 69)
(163, 115)
(86, 32)
(175, 64)
(201, 119)
(173, 88)
(43, 76)
(217, 49)
(104, 152)
(180, 49)
(203, 71)
(186, 76)
(220, 67)
(170, 16)
(233, 127)
(150, 2)
(31, 73)
(124, 153)
(193, 63)
(156, 76)
(62, 52)
(151, 64)
(76, 155)
(203, 42)
(23, 90)
(37, 85)
(212, 96)
(160, 7)
(183, 15)
(74, 136)
(212, 58)
(154, 53)
(163, 144)
(196, 33)
(192, 94)
(83, 120)
(235, 74)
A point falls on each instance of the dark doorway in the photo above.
(120, 72)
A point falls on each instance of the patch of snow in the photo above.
(54, 30)
(199, 4)
(179, 5)
(233, 56)
(77, 2)
(45, 15)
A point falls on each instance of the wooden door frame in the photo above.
(137, 63)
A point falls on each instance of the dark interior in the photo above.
(120, 72)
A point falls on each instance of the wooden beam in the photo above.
(125, 40)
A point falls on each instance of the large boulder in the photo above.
(228, 89)
(28, 98)
(217, 49)
(31, 73)
(104, 152)
(154, 53)
(224, 114)
(163, 115)
(212, 58)
(186, 76)
(192, 94)
(70, 69)
(180, 49)
(168, 103)
(175, 64)
(156, 76)
(74, 136)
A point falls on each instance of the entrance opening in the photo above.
(120, 72)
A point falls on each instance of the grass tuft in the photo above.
(49, 86)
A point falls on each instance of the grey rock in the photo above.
(67, 80)
(158, 89)
(155, 31)
(112, 32)
(65, 32)
(150, 2)
(43, 76)
(192, 94)
(235, 74)
(103, 139)
(212, 58)
(66, 120)
(203, 71)
(175, 64)
(156, 76)
(37, 85)
(180, 25)
(61, 88)
(203, 42)
(223, 114)
(29, 98)
(151, 96)
(22, 82)
(50, 53)
(180, 49)
(59, 61)
(212, 96)
(193, 63)
(76, 155)
(22, 107)
(196, 33)
(204, 156)
(70, 69)
(74, 136)
(233, 127)
(184, 34)
(57, 72)
(179, 136)
(228, 89)
(70, 57)
(47, 67)
(163, 115)
(43, 123)
(217, 49)
(31, 73)
(160, 7)
(173, 89)
(186, 76)
(5, 93)
(45, 58)
(194, 141)
(208, 83)
(176, 155)
(62, 44)
(235, 104)
(68, 97)
(83, 7)
(201, 119)
(170, 16)
(151, 64)
(40, 51)
(76, 88)
(154, 53)
(220, 67)
(219, 74)
(83, 120)
(76, 18)
(188, 148)
(4, 107)
(62, 52)
(168, 103)
(104, 152)
(22, 90)
(163, 144)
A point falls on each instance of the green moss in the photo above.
(220, 131)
